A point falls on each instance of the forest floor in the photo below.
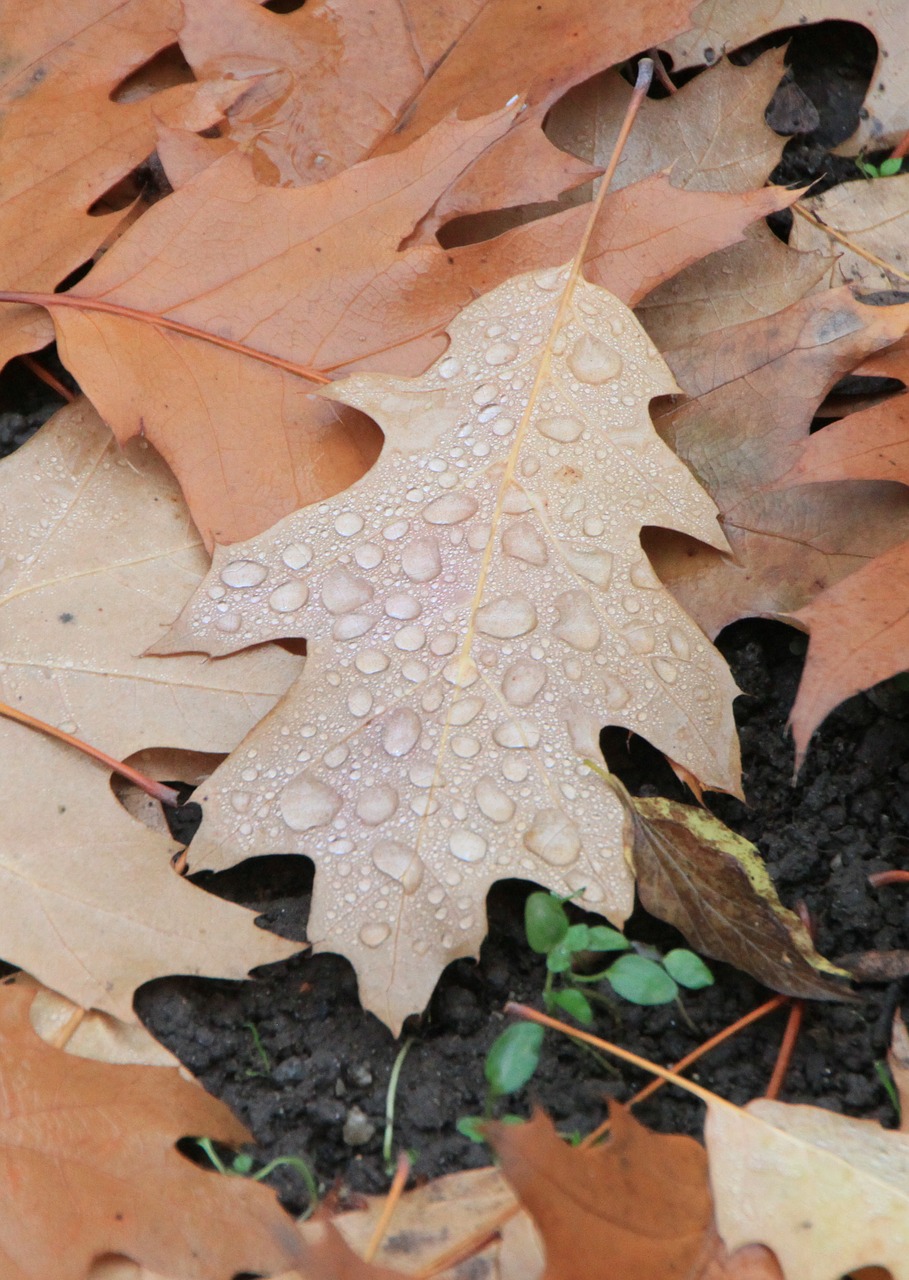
(297, 1059)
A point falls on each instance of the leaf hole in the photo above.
(163, 70)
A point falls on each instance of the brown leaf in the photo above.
(874, 215)
(475, 609)
(639, 1205)
(98, 558)
(710, 883)
(755, 388)
(90, 1167)
(859, 627)
(66, 141)
(317, 277)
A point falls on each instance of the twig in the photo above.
(157, 790)
(47, 377)
(787, 1045)
(880, 878)
(850, 244)
(395, 1191)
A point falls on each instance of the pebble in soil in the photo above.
(329, 1063)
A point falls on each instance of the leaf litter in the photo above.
(392, 393)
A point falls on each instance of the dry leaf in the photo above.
(476, 608)
(755, 388)
(97, 558)
(317, 277)
(874, 215)
(90, 1167)
(859, 627)
(898, 1062)
(637, 1206)
(696, 874)
(66, 141)
(825, 1192)
(719, 26)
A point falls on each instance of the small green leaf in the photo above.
(891, 166)
(577, 938)
(559, 958)
(471, 1127)
(602, 938)
(574, 1003)
(513, 1058)
(688, 969)
(545, 922)
(641, 981)
(242, 1164)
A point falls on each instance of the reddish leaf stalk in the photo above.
(787, 1047)
(395, 1191)
(157, 790)
(881, 878)
(51, 300)
(47, 377)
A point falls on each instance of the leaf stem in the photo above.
(157, 790)
(78, 303)
(399, 1182)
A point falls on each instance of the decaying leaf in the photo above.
(66, 141)
(875, 217)
(96, 560)
(827, 1193)
(639, 1205)
(754, 391)
(476, 608)
(719, 26)
(90, 1167)
(710, 883)
(859, 627)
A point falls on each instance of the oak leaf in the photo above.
(475, 609)
(720, 26)
(827, 1193)
(90, 1168)
(67, 140)
(638, 1205)
(318, 278)
(96, 558)
(859, 627)
(874, 217)
(696, 874)
(754, 389)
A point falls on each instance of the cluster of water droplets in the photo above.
(468, 637)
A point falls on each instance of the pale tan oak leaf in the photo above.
(96, 553)
(476, 608)
(867, 223)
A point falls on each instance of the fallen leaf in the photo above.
(638, 1205)
(720, 26)
(898, 1062)
(827, 1193)
(754, 391)
(316, 277)
(874, 215)
(67, 141)
(859, 628)
(710, 883)
(97, 559)
(475, 609)
(90, 1167)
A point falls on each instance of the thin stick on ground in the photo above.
(787, 1046)
(47, 377)
(398, 1183)
(850, 244)
(157, 790)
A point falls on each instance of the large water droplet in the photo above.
(485, 394)
(371, 661)
(617, 694)
(451, 508)
(554, 838)
(243, 573)
(517, 734)
(359, 702)
(368, 555)
(467, 846)
(464, 746)
(289, 597)
(561, 428)
(466, 710)
(421, 559)
(642, 575)
(523, 681)
(578, 624)
(373, 935)
(402, 732)
(678, 643)
(641, 639)
(450, 367)
(493, 801)
(500, 353)
(348, 523)
(399, 862)
(507, 617)
(593, 361)
(403, 606)
(376, 804)
(296, 556)
(592, 566)
(342, 592)
(525, 542)
(665, 670)
(352, 626)
(228, 622)
(410, 639)
(306, 803)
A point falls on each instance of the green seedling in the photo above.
(886, 169)
(886, 1079)
(639, 975)
(242, 1165)
(260, 1050)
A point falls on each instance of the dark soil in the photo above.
(318, 1088)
